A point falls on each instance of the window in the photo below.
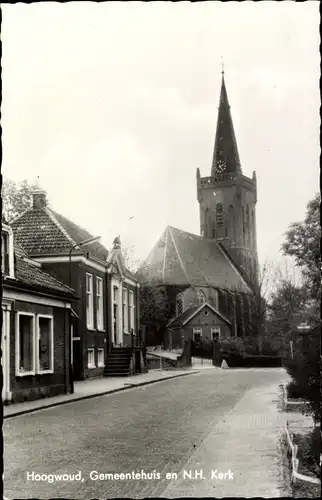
(213, 230)
(215, 298)
(132, 311)
(99, 304)
(90, 358)
(201, 297)
(4, 253)
(89, 301)
(197, 334)
(219, 214)
(100, 358)
(125, 311)
(215, 333)
(45, 354)
(115, 294)
(179, 304)
(7, 260)
(25, 347)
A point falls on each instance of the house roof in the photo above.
(30, 275)
(181, 258)
(187, 315)
(44, 231)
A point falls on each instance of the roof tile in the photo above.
(181, 258)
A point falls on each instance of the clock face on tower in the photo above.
(221, 166)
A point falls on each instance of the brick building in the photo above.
(36, 318)
(102, 319)
(219, 267)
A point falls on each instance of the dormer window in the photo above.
(7, 260)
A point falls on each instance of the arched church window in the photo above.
(201, 297)
(213, 230)
(219, 214)
(231, 223)
(253, 228)
(243, 225)
(247, 226)
(179, 304)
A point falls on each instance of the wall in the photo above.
(89, 338)
(37, 386)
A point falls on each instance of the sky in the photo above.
(114, 106)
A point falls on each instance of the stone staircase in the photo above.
(118, 363)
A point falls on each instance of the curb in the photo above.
(96, 395)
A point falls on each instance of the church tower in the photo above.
(227, 198)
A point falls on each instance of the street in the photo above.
(216, 420)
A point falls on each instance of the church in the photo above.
(211, 279)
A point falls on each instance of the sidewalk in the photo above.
(243, 442)
(92, 388)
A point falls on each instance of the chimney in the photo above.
(39, 199)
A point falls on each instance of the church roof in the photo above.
(185, 259)
(226, 156)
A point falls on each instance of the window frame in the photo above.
(125, 309)
(90, 319)
(132, 312)
(201, 293)
(99, 300)
(100, 364)
(215, 329)
(51, 332)
(197, 331)
(18, 371)
(92, 350)
(7, 231)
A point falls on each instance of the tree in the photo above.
(155, 311)
(303, 243)
(16, 197)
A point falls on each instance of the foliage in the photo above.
(309, 448)
(303, 243)
(154, 306)
(16, 197)
(305, 371)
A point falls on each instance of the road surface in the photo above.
(215, 420)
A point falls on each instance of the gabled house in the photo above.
(36, 318)
(71, 254)
(201, 322)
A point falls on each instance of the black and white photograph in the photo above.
(160, 250)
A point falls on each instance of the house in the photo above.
(219, 266)
(107, 309)
(36, 318)
(198, 323)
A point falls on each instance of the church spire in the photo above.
(226, 157)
